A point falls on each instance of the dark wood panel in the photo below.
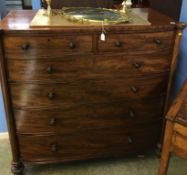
(88, 91)
(168, 7)
(35, 47)
(146, 43)
(86, 145)
(87, 67)
(58, 4)
(93, 116)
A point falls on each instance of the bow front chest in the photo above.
(70, 96)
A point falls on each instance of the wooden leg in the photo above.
(17, 168)
(165, 157)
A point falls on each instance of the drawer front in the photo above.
(44, 47)
(89, 91)
(88, 144)
(86, 68)
(132, 66)
(137, 43)
(83, 117)
(61, 70)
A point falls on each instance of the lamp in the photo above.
(49, 9)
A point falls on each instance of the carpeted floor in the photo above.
(147, 165)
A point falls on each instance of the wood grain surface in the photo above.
(71, 97)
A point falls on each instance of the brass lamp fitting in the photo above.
(126, 5)
(49, 9)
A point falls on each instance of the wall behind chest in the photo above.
(2, 9)
(2, 112)
(182, 68)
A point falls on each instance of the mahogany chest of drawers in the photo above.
(69, 96)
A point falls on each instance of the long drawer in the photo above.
(137, 43)
(86, 116)
(89, 91)
(87, 68)
(44, 47)
(88, 144)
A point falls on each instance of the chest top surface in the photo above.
(20, 21)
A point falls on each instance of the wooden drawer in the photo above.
(132, 66)
(88, 144)
(137, 43)
(86, 116)
(45, 47)
(88, 91)
(57, 70)
(86, 67)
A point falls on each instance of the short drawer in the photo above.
(82, 117)
(137, 43)
(88, 91)
(44, 47)
(88, 144)
(86, 68)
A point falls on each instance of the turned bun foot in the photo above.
(17, 168)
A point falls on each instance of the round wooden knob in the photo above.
(130, 139)
(50, 70)
(25, 46)
(157, 41)
(54, 147)
(53, 121)
(72, 45)
(51, 95)
(131, 113)
(134, 89)
(118, 44)
(136, 65)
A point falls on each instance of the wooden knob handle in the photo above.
(51, 95)
(54, 147)
(131, 113)
(72, 45)
(130, 139)
(53, 121)
(50, 70)
(136, 65)
(134, 89)
(157, 41)
(25, 46)
(118, 43)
